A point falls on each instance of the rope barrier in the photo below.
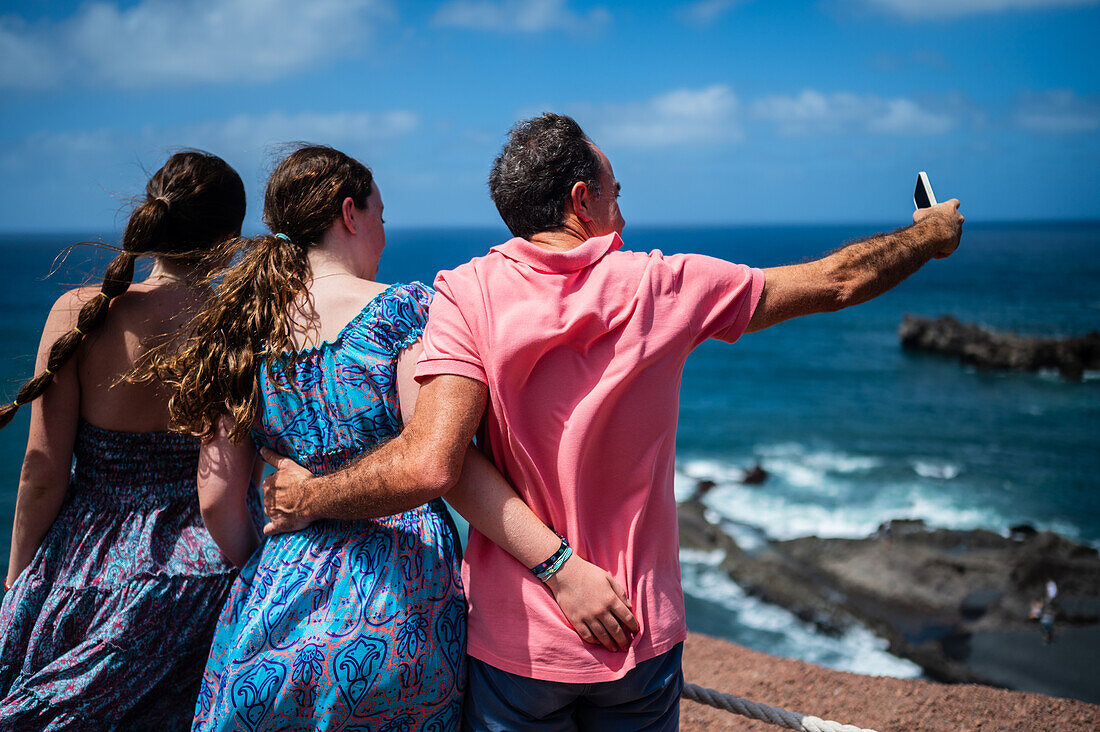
(764, 713)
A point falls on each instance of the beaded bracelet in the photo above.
(553, 557)
(553, 569)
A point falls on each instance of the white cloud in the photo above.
(813, 112)
(159, 42)
(24, 62)
(119, 161)
(1058, 112)
(250, 132)
(682, 117)
(926, 9)
(241, 137)
(528, 16)
(706, 11)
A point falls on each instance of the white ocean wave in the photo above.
(774, 630)
(835, 494)
(1049, 374)
(831, 461)
(935, 469)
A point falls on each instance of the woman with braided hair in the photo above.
(114, 585)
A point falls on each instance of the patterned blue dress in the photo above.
(109, 626)
(344, 625)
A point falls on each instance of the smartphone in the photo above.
(923, 197)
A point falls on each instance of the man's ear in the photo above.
(578, 199)
(347, 214)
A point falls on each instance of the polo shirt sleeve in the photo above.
(450, 345)
(718, 297)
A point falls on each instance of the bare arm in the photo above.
(223, 478)
(421, 463)
(591, 599)
(860, 271)
(48, 460)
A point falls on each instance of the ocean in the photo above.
(852, 430)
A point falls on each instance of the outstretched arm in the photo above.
(860, 271)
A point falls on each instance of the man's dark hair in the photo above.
(532, 177)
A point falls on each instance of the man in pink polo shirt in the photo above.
(574, 348)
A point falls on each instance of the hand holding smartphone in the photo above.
(923, 197)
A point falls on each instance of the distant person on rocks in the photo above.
(572, 349)
(1046, 622)
(1049, 612)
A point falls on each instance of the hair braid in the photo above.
(212, 202)
(119, 275)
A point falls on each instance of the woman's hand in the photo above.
(595, 603)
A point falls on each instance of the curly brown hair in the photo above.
(248, 321)
(194, 202)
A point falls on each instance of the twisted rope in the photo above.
(756, 710)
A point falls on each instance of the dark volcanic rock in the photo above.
(947, 600)
(986, 349)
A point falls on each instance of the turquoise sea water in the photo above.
(853, 430)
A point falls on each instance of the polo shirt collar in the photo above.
(546, 260)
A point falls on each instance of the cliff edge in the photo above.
(864, 701)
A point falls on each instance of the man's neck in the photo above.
(571, 235)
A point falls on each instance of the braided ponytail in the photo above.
(151, 229)
(246, 322)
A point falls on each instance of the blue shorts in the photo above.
(647, 698)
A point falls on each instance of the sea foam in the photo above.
(774, 630)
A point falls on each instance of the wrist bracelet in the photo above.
(7, 587)
(546, 575)
(553, 557)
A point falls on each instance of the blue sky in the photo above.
(712, 112)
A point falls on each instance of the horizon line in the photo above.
(647, 225)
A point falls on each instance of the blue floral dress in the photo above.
(351, 625)
(110, 624)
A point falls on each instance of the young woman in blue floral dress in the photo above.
(342, 625)
(115, 584)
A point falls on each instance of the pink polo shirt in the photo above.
(582, 352)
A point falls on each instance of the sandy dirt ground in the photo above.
(877, 703)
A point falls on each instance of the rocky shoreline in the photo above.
(957, 603)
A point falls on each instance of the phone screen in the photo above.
(922, 193)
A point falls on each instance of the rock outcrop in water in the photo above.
(987, 349)
(954, 602)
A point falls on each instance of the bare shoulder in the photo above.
(66, 309)
(75, 299)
